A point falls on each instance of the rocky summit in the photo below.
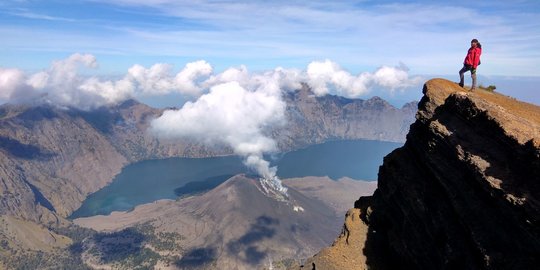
(462, 193)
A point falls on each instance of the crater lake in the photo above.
(151, 180)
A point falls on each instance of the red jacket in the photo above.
(473, 57)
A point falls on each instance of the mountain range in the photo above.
(52, 158)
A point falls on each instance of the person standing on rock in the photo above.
(471, 62)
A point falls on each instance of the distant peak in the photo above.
(128, 103)
(378, 102)
(413, 105)
(264, 186)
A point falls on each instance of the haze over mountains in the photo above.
(53, 158)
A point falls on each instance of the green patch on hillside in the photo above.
(489, 88)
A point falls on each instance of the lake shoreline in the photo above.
(151, 180)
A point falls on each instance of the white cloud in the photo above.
(187, 78)
(13, 86)
(38, 80)
(232, 74)
(111, 92)
(321, 75)
(158, 79)
(393, 78)
(289, 79)
(62, 83)
(10, 79)
(154, 80)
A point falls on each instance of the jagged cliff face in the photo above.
(464, 190)
(463, 193)
(51, 159)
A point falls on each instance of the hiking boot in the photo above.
(473, 89)
(460, 84)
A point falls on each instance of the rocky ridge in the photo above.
(462, 193)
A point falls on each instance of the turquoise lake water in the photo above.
(151, 180)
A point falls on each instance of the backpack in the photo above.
(479, 46)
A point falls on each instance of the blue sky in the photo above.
(429, 37)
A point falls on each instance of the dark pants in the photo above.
(473, 75)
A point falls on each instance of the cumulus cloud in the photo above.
(12, 84)
(283, 79)
(393, 78)
(111, 92)
(321, 74)
(232, 115)
(154, 80)
(289, 79)
(62, 84)
(159, 80)
(326, 76)
(232, 74)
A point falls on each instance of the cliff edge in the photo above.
(462, 193)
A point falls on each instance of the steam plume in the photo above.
(232, 115)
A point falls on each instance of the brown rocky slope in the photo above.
(462, 193)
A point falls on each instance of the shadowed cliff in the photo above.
(462, 193)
